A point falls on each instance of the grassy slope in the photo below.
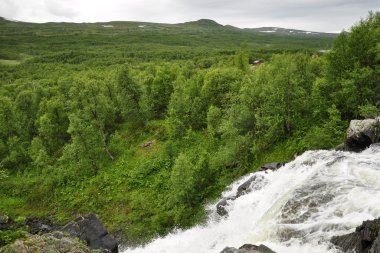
(112, 192)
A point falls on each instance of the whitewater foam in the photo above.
(298, 208)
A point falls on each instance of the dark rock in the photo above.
(40, 225)
(5, 222)
(248, 248)
(244, 188)
(229, 250)
(375, 246)
(347, 242)
(365, 239)
(91, 230)
(73, 229)
(361, 134)
(260, 249)
(272, 166)
(221, 207)
(251, 184)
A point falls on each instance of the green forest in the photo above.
(144, 124)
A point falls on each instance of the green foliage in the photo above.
(52, 124)
(220, 86)
(17, 156)
(7, 121)
(129, 95)
(327, 135)
(214, 116)
(182, 180)
(3, 175)
(38, 154)
(144, 127)
(353, 72)
(368, 111)
(9, 236)
(241, 58)
(160, 91)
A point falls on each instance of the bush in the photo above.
(9, 236)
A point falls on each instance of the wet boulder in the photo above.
(252, 183)
(221, 207)
(248, 248)
(245, 187)
(361, 134)
(92, 231)
(272, 166)
(365, 239)
(255, 182)
(376, 246)
(229, 250)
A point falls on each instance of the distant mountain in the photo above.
(208, 23)
(204, 22)
(285, 31)
(200, 33)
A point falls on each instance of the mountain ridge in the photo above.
(204, 22)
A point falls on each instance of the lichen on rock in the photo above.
(55, 242)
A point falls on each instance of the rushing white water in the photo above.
(296, 209)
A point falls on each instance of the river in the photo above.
(296, 209)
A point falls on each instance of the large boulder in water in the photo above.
(92, 231)
(248, 248)
(246, 187)
(362, 133)
(366, 238)
(272, 166)
(221, 207)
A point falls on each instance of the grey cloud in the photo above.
(59, 9)
(8, 8)
(317, 15)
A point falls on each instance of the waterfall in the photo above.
(296, 209)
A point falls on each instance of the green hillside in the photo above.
(141, 39)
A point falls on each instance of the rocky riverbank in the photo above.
(56, 242)
(84, 234)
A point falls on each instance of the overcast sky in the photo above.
(315, 15)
